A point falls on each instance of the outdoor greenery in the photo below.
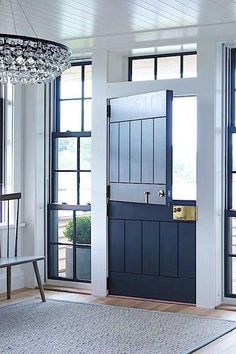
(83, 230)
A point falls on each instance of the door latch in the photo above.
(146, 197)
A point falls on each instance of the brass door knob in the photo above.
(161, 193)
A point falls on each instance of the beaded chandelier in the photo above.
(31, 60)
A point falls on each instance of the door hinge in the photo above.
(108, 111)
(107, 283)
(108, 192)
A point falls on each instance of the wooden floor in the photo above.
(225, 344)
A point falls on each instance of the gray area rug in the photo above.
(65, 327)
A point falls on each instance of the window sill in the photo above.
(12, 226)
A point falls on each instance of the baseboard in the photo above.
(226, 307)
(18, 281)
(67, 289)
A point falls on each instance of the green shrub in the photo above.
(83, 229)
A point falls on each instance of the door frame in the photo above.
(209, 165)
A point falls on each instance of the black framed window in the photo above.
(230, 213)
(163, 66)
(69, 246)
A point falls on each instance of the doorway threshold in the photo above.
(153, 300)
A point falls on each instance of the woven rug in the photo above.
(58, 327)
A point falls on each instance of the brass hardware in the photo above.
(185, 212)
(146, 195)
(161, 193)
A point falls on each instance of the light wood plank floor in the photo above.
(225, 344)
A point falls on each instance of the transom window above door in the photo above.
(163, 66)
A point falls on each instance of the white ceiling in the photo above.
(67, 19)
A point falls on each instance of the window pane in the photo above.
(60, 219)
(231, 270)
(234, 151)
(65, 225)
(85, 153)
(67, 153)
(184, 147)
(168, 68)
(87, 115)
(190, 66)
(61, 261)
(143, 69)
(231, 234)
(85, 188)
(70, 116)
(83, 263)
(234, 191)
(83, 227)
(83, 249)
(88, 81)
(71, 83)
(67, 187)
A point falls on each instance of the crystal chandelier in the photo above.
(31, 60)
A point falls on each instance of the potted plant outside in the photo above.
(83, 252)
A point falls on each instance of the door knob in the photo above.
(161, 193)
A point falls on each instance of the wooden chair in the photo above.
(8, 261)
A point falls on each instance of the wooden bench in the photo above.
(8, 261)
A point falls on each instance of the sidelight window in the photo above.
(230, 220)
(184, 148)
(69, 245)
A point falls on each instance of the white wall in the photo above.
(33, 171)
(18, 279)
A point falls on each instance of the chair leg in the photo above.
(8, 283)
(40, 285)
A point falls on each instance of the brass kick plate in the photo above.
(185, 212)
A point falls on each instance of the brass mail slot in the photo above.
(185, 212)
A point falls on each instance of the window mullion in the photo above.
(82, 102)
(78, 171)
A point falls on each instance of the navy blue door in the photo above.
(150, 254)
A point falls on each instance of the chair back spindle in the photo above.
(16, 227)
(8, 229)
(7, 198)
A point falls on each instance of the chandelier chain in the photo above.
(30, 24)
(13, 17)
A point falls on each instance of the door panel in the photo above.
(187, 250)
(116, 242)
(135, 151)
(137, 139)
(152, 287)
(168, 249)
(147, 151)
(114, 153)
(150, 254)
(133, 247)
(134, 192)
(124, 151)
(143, 106)
(167, 253)
(159, 151)
(150, 247)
